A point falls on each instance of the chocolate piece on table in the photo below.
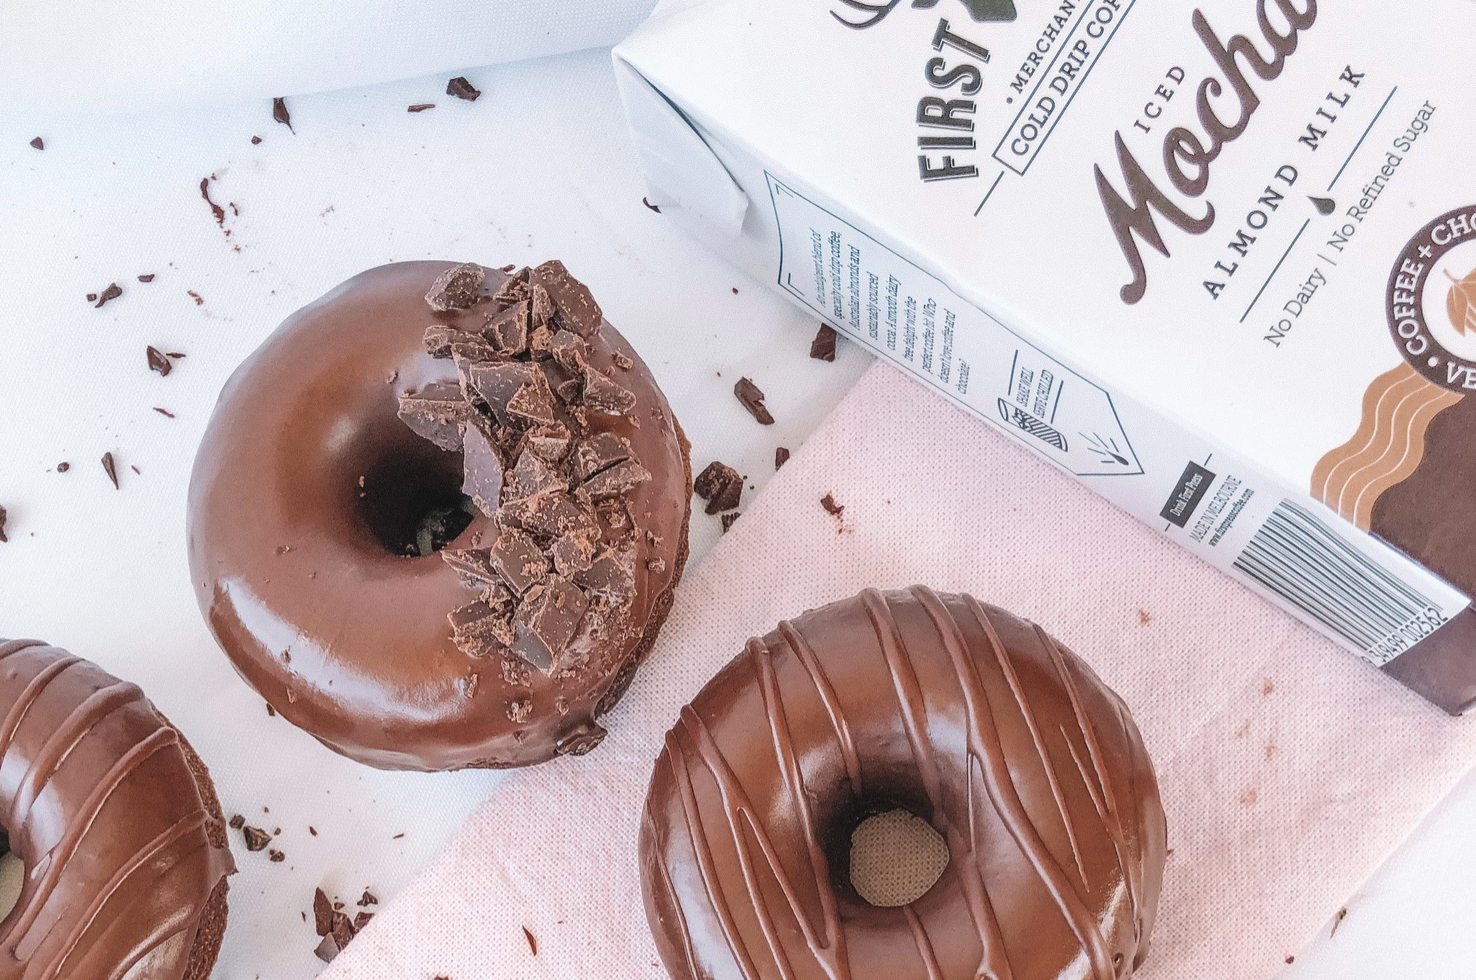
(437, 412)
(146, 277)
(546, 622)
(577, 309)
(112, 292)
(599, 452)
(831, 507)
(603, 395)
(618, 479)
(549, 442)
(753, 399)
(720, 485)
(822, 348)
(481, 469)
(518, 560)
(38, 143)
(110, 467)
(458, 288)
(256, 838)
(322, 913)
(281, 115)
(420, 107)
(157, 361)
(361, 920)
(728, 519)
(781, 456)
(462, 89)
(3, 517)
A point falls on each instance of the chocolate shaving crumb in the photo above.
(398, 836)
(753, 399)
(3, 517)
(136, 470)
(91, 297)
(110, 467)
(271, 712)
(327, 950)
(822, 348)
(38, 143)
(112, 292)
(216, 210)
(237, 822)
(420, 107)
(621, 361)
(520, 710)
(781, 456)
(276, 856)
(146, 277)
(462, 89)
(650, 205)
(728, 519)
(532, 943)
(164, 412)
(158, 362)
(281, 115)
(361, 920)
(720, 485)
(1337, 921)
(831, 507)
(199, 300)
(368, 899)
(255, 140)
(63, 466)
(256, 838)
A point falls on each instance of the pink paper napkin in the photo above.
(1289, 769)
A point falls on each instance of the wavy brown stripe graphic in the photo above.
(1386, 448)
(747, 811)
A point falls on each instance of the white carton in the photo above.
(1218, 265)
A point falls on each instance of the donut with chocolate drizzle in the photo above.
(438, 516)
(116, 821)
(1025, 764)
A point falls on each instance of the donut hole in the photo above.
(895, 858)
(411, 501)
(12, 877)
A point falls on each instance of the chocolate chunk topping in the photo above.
(720, 485)
(540, 342)
(623, 362)
(618, 479)
(112, 292)
(581, 740)
(577, 309)
(572, 553)
(514, 290)
(480, 628)
(603, 395)
(498, 382)
(546, 622)
(551, 514)
(481, 469)
(534, 401)
(38, 143)
(549, 442)
(437, 413)
(462, 89)
(822, 348)
(531, 476)
(570, 350)
(281, 115)
(611, 577)
(473, 565)
(256, 838)
(508, 330)
(520, 710)
(158, 362)
(518, 560)
(443, 341)
(781, 456)
(599, 452)
(110, 467)
(568, 385)
(515, 673)
(753, 399)
(458, 288)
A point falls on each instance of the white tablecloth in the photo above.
(538, 167)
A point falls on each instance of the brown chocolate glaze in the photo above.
(118, 825)
(1018, 755)
(347, 639)
(1425, 516)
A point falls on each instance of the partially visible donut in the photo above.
(117, 823)
(384, 422)
(1020, 758)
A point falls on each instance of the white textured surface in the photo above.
(537, 168)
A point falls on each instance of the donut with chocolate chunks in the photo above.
(1029, 769)
(117, 824)
(437, 518)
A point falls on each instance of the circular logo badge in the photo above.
(1431, 301)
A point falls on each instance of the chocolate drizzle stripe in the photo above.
(1052, 779)
(993, 959)
(830, 949)
(1138, 887)
(181, 828)
(8, 647)
(703, 851)
(1112, 819)
(166, 931)
(826, 690)
(985, 741)
(737, 806)
(681, 916)
(62, 853)
(32, 690)
(63, 739)
(924, 944)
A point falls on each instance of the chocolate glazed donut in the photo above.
(1026, 765)
(117, 823)
(311, 554)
